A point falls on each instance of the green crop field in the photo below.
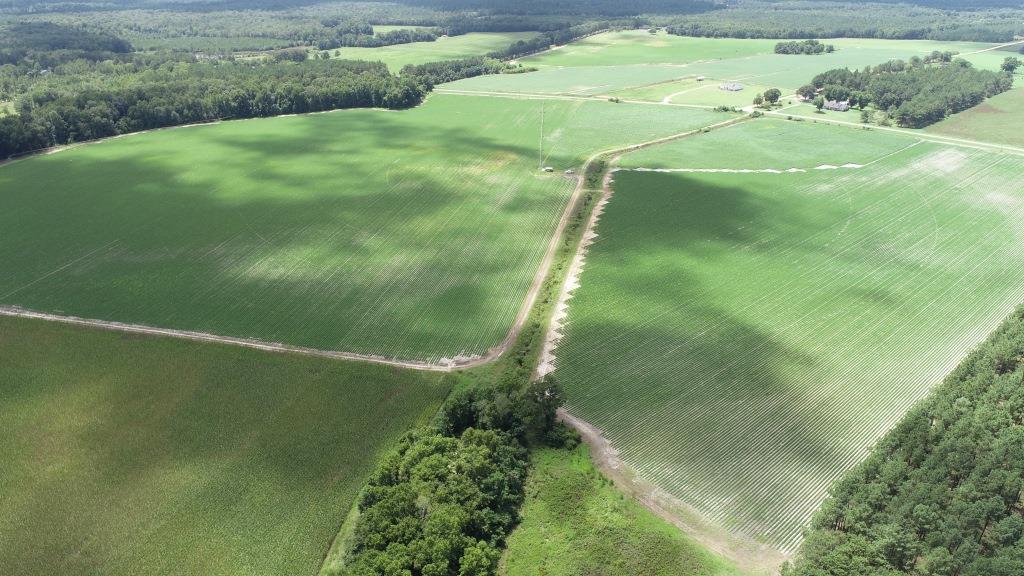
(444, 48)
(579, 81)
(575, 523)
(635, 64)
(641, 47)
(132, 455)
(742, 338)
(998, 119)
(410, 234)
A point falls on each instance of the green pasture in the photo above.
(575, 522)
(770, 143)
(641, 47)
(743, 338)
(132, 455)
(412, 234)
(444, 48)
(578, 81)
(999, 119)
(635, 64)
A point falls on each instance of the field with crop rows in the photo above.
(635, 64)
(998, 119)
(128, 455)
(743, 337)
(410, 234)
(444, 48)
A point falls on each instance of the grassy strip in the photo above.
(576, 523)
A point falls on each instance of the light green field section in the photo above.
(444, 48)
(992, 59)
(693, 92)
(575, 522)
(128, 455)
(789, 72)
(771, 144)
(411, 234)
(999, 119)
(645, 65)
(641, 47)
(743, 338)
(582, 81)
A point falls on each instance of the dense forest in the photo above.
(797, 19)
(72, 108)
(941, 493)
(803, 47)
(444, 501)
(914, 94)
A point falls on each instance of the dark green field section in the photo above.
(126, 455)
(412, 235)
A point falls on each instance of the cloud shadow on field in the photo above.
(280, 234)
(719, 410)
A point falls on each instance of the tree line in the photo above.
(443, 501)
(798, 19)
(914, 94)
(941, 494)
(804, 47)
(65, 109)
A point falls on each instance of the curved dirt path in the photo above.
(749, 556)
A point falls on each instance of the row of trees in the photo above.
(65, 109)
(804, 47)
(795, 19)
(432, 73)
(443, 502)
(941, 494)
(914, 94)
(327, 41)
(46, 44)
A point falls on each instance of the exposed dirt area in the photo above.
(750, 556)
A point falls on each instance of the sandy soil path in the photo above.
(750, 556)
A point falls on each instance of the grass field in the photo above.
(743, 338)
(998, 119)
(635, 64)
(576, 523)
(641, 47)
(444, 48)
(409, 234)
(580, 81)
(136, 455)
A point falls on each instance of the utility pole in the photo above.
(540, 153)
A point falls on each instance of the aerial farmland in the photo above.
(423, 290)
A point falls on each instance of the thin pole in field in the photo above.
(540, 153)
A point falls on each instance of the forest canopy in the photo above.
(915, 94)
(941, 493)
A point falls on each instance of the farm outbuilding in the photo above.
(730, 86)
